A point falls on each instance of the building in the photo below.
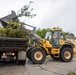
(71, 38)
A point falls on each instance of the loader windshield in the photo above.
(48, 36)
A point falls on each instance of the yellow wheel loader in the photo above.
(53, 44)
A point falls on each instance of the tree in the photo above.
(41, 32)
(13, 26)
(26, 11)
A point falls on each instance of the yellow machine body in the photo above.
(54, 50)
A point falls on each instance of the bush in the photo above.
(72, 73)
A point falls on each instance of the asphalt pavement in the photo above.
(49, 67)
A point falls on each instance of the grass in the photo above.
(74, 55)
(48, 56)
(72, 73)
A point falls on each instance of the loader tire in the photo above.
(38, 55)
(66, 54)
(28, 54)
(55, 56)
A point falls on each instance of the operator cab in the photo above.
(53, 37)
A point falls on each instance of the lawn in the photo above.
(74, 55)
(72, 73)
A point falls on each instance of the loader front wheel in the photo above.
(38, 55)
(66, 54)
(28, 54)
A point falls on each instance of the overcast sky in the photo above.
(50, 13)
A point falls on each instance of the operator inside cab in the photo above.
(53, 38)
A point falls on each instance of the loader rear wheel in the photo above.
(55, 56)
(66, 54)
(38, 55)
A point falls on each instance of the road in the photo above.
(49, 67)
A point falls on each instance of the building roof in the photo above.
(70, 37)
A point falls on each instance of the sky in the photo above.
(50, 13)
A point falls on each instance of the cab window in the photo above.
(48, 36)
